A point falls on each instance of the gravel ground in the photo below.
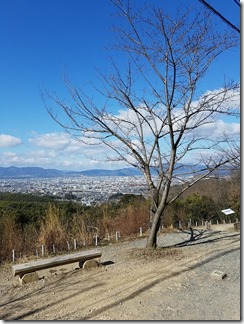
(132, 284)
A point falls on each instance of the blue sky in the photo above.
(42, 39)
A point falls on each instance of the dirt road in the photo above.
(132, 284)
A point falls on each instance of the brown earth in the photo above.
(170, 283)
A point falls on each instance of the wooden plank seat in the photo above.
(30, 267)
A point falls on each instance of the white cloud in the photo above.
(229, 99)
(218, 129)
(9, 141)
(56, 141)
(46, 160)
(60, 142)
(219, 100)
(59, 150)
(63, 144)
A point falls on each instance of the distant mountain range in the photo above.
(37, 172)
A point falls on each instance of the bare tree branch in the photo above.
(153, 115)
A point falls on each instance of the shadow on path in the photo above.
(156, 281)
(206, 238)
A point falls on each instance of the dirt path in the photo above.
(170, 284)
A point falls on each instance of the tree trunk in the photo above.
(152, 239)
(156, 213)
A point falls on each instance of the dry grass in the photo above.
(52, 230)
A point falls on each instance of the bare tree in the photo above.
(153, 115)
(232, 150)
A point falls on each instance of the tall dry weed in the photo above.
(10, 239)
(127, 220)
(52, 231)
(79, 230)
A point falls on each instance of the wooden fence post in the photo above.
(206, 225)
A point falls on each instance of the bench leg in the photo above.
(88, 264)
(81, 264)
(28, 277)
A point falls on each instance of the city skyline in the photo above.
(41, 42)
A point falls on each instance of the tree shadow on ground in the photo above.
(204, 238)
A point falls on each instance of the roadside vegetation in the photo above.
(29, 221)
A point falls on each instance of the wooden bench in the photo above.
(27, 271)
